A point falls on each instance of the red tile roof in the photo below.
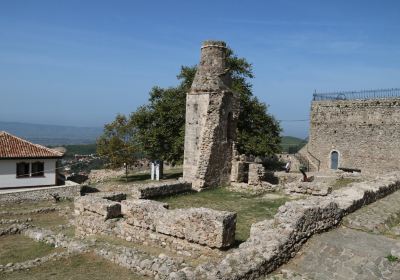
(14, 147)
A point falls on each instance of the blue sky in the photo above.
(82, 62)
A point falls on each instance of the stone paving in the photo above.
(357, 250)
(379, 217)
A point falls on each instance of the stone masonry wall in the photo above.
(215, 229)
(212, 111)
(63, 192)
(159, 189)
(273, 242)
(200, 225)
(366, 134)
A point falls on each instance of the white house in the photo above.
(24, 164)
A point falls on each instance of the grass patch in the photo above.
(26, 206)
(343, 182)
(80, 267)
(392, 258)
(152, 250)
(49, 220)
(18, 248)
(173, 173)
(33, 205)
(249, 208)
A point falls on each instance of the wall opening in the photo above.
(229, 130)
(334, 160)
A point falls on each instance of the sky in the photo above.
(81, 62)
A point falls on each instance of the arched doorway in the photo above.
(334, 160)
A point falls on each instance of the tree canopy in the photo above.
(157, 129)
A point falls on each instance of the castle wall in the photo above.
(365, 134)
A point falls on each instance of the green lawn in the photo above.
(18, 248)
(80, 267)
(249, 208)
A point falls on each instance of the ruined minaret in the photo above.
(212, 110)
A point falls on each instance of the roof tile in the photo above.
(14, 147)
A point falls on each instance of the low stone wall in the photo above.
(104, 208)
(311, 188)
(200, 225)
(158, 267)
(273, 242)
(26, 265)
(287, 178)
(215, 229)
(113, 196)
(161, 189)
(212, 228)
(101, 175)
(13, 229)
(61, 192)
(86, 226)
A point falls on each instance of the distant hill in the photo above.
(292, 144)
(52, 134)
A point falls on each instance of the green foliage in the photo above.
(117, 142)
(158, 128)
(392, 258)
(292, 144)
(160, 125)
(258, 132)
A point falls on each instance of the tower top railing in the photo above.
(358, 95)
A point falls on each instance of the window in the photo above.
(22, 170)
(37, 169)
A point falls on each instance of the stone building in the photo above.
(356, 131)
(212, 110)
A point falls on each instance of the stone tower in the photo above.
(212, 110)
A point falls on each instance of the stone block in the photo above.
(318, 189)
(199, 225)
(256, 174)
(98, 206)
(143, 213)
(113, 196)
(239, 171)
(161, 189)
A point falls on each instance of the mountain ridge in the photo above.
(45, 134)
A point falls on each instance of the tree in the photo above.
(258, 132)
(158, 128)
(160, 125)
(117, 143)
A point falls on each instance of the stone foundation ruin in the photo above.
(271, 242)
(210, 161)
(215, 229)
